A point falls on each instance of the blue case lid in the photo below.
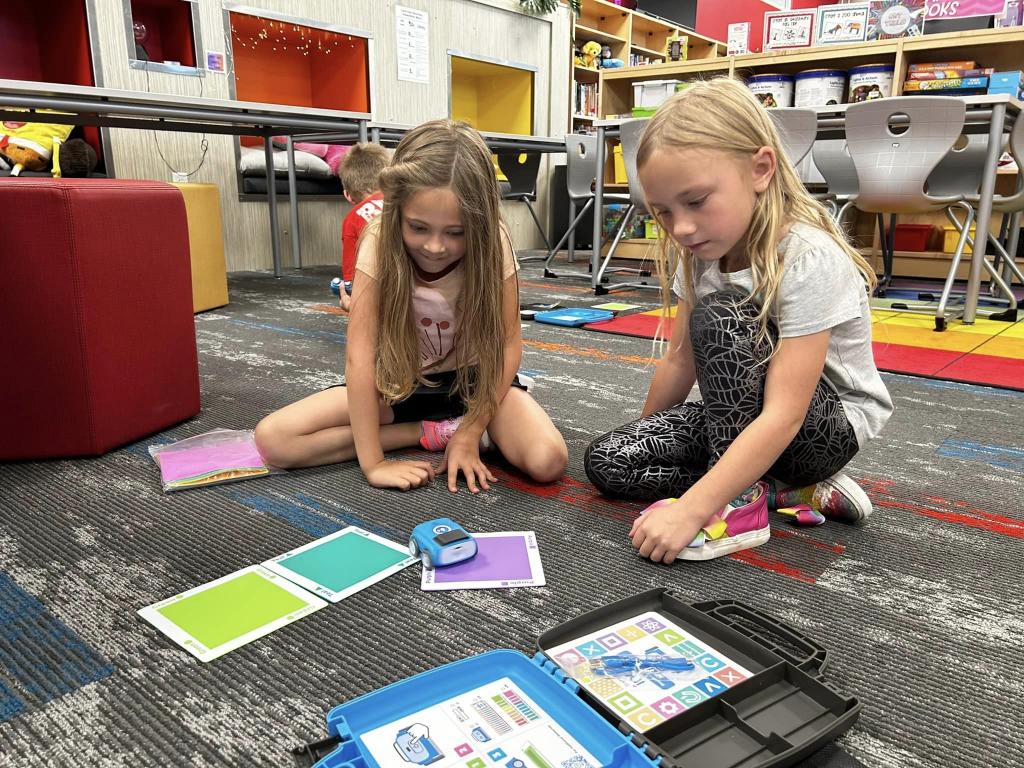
(540, 679)
(573, 316)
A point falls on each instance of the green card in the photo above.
(342, 563)
(614, 306)
(215, 618)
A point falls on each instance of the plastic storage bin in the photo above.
(755, 696)
(619, 165)
(950, 237)
(652, 93)
(913, 237)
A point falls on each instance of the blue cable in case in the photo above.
(499, 709)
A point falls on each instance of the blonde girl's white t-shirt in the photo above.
(435, 304)
(821, 289)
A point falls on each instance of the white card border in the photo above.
(427, 583)
(184, 640)
(275, 565)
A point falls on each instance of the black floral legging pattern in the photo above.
(665, 453)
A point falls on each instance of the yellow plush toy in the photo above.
(591, 52)
(29, 146)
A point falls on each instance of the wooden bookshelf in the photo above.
(627, 33)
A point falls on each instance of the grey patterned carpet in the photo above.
(921, 608)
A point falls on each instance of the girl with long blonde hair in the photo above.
(772, 322)
(434, 340)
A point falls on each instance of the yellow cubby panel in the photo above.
(492, 97)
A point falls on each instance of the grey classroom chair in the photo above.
(630, 132)
(832, 159)
(580, 172)
(1010, 206)
(960, 173)
(893, 164)
(520, 168)
(797, 128)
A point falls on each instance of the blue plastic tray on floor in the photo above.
(758, 699)
(574, 316)
(417, 741)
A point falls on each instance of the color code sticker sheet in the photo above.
(494, 726)
(648, 697)
(342, 563)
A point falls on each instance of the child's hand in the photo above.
(345, 301)
(664, 529)
(403, 475)
(463, 453)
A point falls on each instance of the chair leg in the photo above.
(569, 235)
(887, 257)
(620, 228)
(543, 234)
(841, 214)
(947, 287)
(572, 232)
(540, 227)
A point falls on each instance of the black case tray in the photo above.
(777, 717)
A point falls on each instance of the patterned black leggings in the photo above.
(665, 453)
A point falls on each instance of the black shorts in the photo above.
(435, 403)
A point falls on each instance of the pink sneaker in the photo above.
(436, 435)
(743, 524)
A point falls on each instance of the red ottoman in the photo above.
(97, 338)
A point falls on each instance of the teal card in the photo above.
(342, 563)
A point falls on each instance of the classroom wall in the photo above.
(476, 27)
(715, 16)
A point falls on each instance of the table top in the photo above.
(112, 105)
(976, 102)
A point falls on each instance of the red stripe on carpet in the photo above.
(757, 558)
(582, 496)
(950, 365)
(639, 325)
(986, 369)
(899, 358)
(975, 518)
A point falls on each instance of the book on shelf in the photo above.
(949, 84)
(946, 74)
(932, 66)
(585, 99)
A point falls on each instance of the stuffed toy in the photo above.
(75, 158)
(591, 52)
(29, 146)
(606, 61)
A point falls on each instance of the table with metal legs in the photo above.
(111, 108)
(997, 111)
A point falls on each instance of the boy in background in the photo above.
(358, 172)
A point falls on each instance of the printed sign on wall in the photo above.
(962, 9)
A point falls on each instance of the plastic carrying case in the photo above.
(781, 713)
(778, 713)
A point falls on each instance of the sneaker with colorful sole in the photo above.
(837, 498)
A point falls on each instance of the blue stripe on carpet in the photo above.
(1003, 456)
(40, 656)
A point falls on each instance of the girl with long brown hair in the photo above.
(434, 340)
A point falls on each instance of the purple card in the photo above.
(509, 559)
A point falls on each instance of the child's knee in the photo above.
(597, 464)
(547, 460)
(271, 442)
